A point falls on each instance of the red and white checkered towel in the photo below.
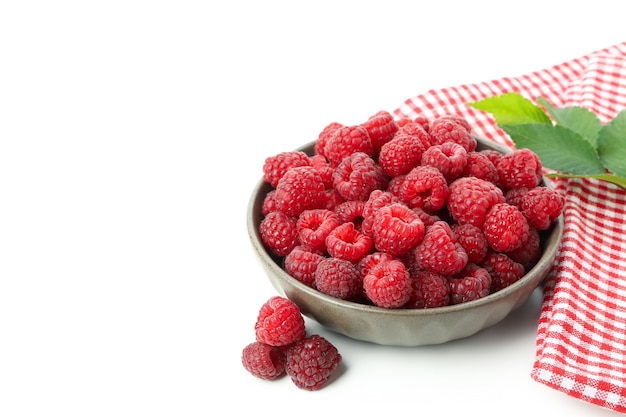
(581, 337)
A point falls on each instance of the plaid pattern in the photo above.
(581, 336)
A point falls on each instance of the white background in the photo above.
(131, 135)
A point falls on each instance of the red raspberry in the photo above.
(345, 141)
(338, 278)
(451, 129)
(429, 290)
(529, 252)
(323, 137)
(473, 241)
(388, 284)
(455, 118)
(275, 166)
(370, 261)
(493, 155)
(426, 218)
(381, 128)
(263, 361)
(439, 251)
(279, 323)
(479, 165)
(350, 211)
(542, 206)
(311, 362)
(505, 227)
(346, 242)
(301, 263)
(397, 229)
(423, 121)
(470, 198)
(400, 155)
(269, 203)
(515, 196)
(357, 176)
(300, 188)
(450, 158)
(425, 187)
(503, 270)
(395, 184)
(521, 168)
(331, 199)
(473, 283)
(417, 131)
(322, 166)
(314, 226)
(279, 233)
(376, 200)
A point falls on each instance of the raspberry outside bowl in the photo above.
(401, 327)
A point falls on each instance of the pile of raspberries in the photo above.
(282, 347)
(406, 213)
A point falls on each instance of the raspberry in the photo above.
(314, 226)
(269, 203)
(417, 131)
(451, 129)
(275, 166)
(425, 217)
(263, 361)
(299, 189)
(454, 118)
(350, 211)
(397, 229)
(470, 198)
(311, 362)
(279, 323)
(338, 278)
(450, 158)
(357, 176)
(346, 242)
(370, 261)
(345, 141)
(429, 290)
(439, 251)
(529, 252)
(323, 137)
(322, 166)
(521, 168)
(502, 269)
(400, 155)
(331, 199)
(425, 187)
(376, 200)
(493, 155)
(381, 128)
(473, 283)
(505, 227)
(473, 241)
(279, 233)
(423, 121)
(515, 196)
(542, 206)
(301, 263)
(388, 284)
(395, 184)
(479, 165)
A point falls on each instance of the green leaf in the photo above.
(612, 144)
(582, 121)
(512, 109)
(621, 181)
(558, 148)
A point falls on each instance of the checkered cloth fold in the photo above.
(581, 336)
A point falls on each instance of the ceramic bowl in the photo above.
(400, 327)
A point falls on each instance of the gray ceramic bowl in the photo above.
(401, 327)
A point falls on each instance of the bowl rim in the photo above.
(551, 246)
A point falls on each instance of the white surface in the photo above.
(131, 134)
